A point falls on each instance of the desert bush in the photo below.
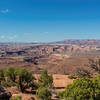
(34, 86)
(7, 84)
(82, 89)
(25, 79)
(44, 86)
(61, 95)
(10, 73)
(16, 98)
(43, 94)
(96, 85)
(81, 72)
(95, 64)
(2, 75)
(20, 77)
(71, 76)
(45, 80)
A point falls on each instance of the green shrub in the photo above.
(20, 77)
(44, 84)
(81, 72)
(2, 75)
(10, 73)
(82, 89)
(35, 86)
(45, 80)
(7, 84)
(25, 79)
(71, 76)
(95, 65)
(96, 85)
(43, 94)
(16, 98)
(61, 95)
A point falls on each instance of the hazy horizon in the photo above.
(36, 42)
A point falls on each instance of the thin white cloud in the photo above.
(35, 41)
(12, 37)
(8, 38)
(4, 11)
(46, 32)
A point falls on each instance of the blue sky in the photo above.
(49, 20)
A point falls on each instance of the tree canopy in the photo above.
(45, 80)
(25, 79)
(82, 89)
(45, 83)
(43, 94)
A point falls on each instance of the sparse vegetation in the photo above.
(83, 88)
(23, 79)
(71, 76)
(81, 72)
(95, 64)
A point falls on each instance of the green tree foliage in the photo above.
(10, 73)
(16, 98)
(25, 79)
(45, 80)
(7, 83)
(71, 76)
(82, 89)
(61, 94)
(43, 94)
(2, 75)
(19, 77)
(45, 84)
(96, 83)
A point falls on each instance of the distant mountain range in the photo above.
(63, 42)
(79, 42)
